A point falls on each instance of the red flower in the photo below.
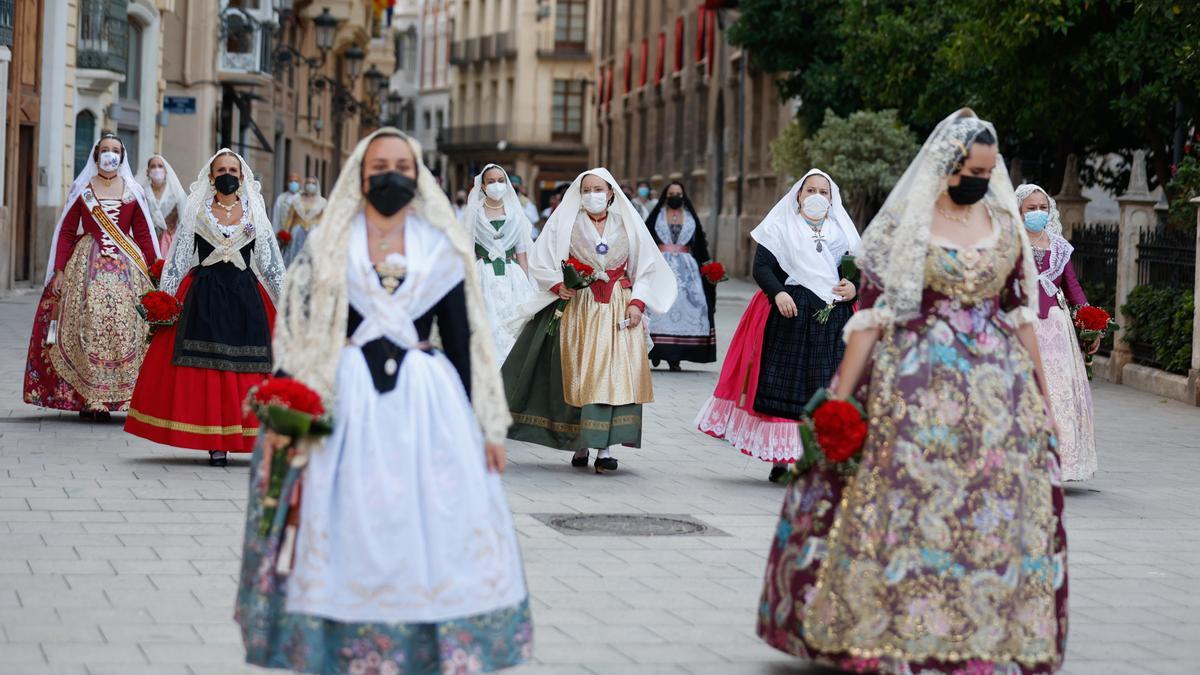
(289, 393)
(1092, 318)
(584, 269)
(284, 237)
(714, 272)
(156, 270)
(160, 307)
(840, 430)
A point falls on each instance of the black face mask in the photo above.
(389, 192)
(226, 183)
(459, 201)
(675, 202)
(969, 190)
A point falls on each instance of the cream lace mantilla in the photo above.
(310, 328)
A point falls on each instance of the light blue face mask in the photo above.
(293, 186)
(1036, 221)
(643, 192)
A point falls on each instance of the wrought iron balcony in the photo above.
(103, 29)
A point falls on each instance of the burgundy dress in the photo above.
(101, 338)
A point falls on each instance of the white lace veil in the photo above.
(894, 246)
(266, 260)
(84, 178)
(310, 329)
(173, 196)
(1023, 191)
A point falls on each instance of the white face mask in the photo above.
(815, 207)
(310, 188)
(495, 191)
(109, 161)
(157, 176)
(595, 202)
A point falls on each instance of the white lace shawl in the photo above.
(173, 196)
(310, 328)
(266, 261)
(896, 243)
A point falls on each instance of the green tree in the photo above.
(1055, 76)
(865, 152)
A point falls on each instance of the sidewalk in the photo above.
(120, 556)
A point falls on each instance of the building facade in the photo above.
(523, 71)
(404, 84)
(77, 68)
(435, 80)
(262, 77)
(675, 101)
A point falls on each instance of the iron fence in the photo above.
(1095, 263)
(1166, 259)
(103, 30)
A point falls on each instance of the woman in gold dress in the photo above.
(582, 385)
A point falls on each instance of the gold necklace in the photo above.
(958, 219)
(107, 181)
(228, 209)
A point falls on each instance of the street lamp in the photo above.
(326, 28)
(394, 103)
(354, 61)
(376, 81)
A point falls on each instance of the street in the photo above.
(119, 556)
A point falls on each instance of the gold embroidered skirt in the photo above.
(601, 363)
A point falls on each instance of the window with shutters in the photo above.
(570, 25)
(567, 111)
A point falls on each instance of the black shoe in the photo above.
(103, 416)
(675, 367)
(579, 461)
(218, 458)
(655, 362)
(87, 415)
(778, 474)
(606, 464)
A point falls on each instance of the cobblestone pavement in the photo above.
(120, 556)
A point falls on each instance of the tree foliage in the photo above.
(865, 152)
(1055, 76)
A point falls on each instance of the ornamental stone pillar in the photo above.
(1137, 216)
(1072, 205)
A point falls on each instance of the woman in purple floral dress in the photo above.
(945, 551)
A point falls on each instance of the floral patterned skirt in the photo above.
(946, 552)
(101, 338)
(1070, 395)
(276, 638)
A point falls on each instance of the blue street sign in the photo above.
(180, 105)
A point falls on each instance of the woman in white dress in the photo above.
(165, 196)
(503, 236)
(406, 558)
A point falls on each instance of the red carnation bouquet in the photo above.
(1092, 324)
(289, 408)
(156, 271)
(159, 308)
(284, 238)
(832, 432)
(713, 272)
(577, 275)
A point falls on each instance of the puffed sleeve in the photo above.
(870, 313)
(1013, 299)
(455, 330)
(764, 272)
(143, 233)
(1071, 287)
(68, 236)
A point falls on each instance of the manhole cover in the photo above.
(627, 524)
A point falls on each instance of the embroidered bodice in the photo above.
(585, 239)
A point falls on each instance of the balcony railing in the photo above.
(505, 46)
(515, 136)
(6, 23)
(102, 34)
(487, 48)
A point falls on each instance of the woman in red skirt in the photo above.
(226, 269)
(88, 341)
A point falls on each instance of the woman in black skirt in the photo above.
(800, 245)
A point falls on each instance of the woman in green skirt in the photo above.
(578, 375)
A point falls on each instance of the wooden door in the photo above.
(24, 115)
